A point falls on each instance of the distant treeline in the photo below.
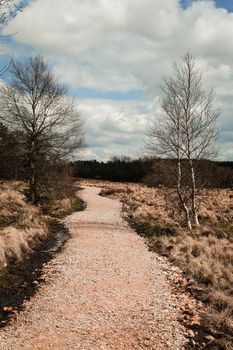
(118, 169)
(226, 164)
(153, 172)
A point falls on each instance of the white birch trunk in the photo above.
(182, 201)
(194, 195)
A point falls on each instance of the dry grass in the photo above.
(21, 224)
(206, 255)
(61, 207)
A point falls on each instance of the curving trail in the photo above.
(104, 291)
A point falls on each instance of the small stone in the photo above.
(210, 338)
(191, 334)
(193, 343)
(180, 318)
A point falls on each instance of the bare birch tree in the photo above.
(165, 141)
(36, 105)
(187, 132)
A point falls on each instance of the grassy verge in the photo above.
(207, 263)
(22, 225)
(61, 208)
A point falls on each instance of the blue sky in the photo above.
(112, 54)
(226, 4)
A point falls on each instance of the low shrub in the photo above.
(148, 229)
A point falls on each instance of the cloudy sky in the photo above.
(113, 53)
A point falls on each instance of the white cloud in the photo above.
(115, 128)
(123, 45)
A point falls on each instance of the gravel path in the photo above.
(103, 291)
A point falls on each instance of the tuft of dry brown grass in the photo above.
(21, 224)
(61, 207)
(206, 255)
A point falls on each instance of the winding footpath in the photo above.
(104, 291)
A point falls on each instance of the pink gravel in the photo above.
(105, 290)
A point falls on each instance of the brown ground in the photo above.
(104, 291)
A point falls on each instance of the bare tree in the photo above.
(165, 140)
(8, 10)
(187, 131)
(36, 104)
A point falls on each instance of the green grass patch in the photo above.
(77, 204)
(148, 228)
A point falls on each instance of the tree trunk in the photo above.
(182, 201)
(32, 178)
(194, 194)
